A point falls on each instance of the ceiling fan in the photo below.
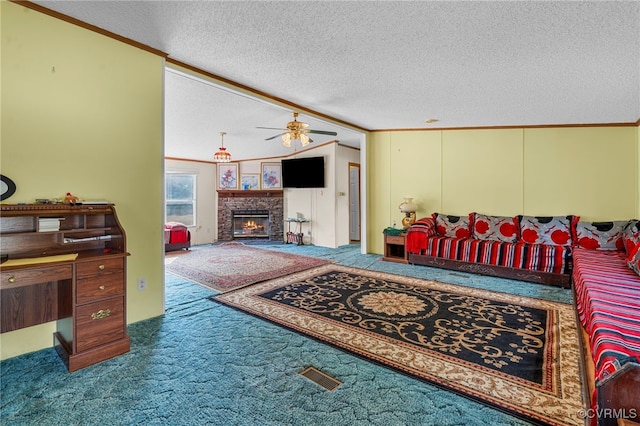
(296, 130)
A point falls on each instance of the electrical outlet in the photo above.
(142, 284)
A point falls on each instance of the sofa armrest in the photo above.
(417, 234)
(425, 225)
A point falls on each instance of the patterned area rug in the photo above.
(233, 265)
(511, 352)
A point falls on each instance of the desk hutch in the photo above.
(66, 264)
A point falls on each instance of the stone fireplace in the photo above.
(250, 214)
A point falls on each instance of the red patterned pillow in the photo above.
(496, 228)
(632, 253)
(631, 235)
(550, 230)
(452, 226)
(600, 235)
(634, 261)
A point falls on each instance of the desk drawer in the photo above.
(395, 239)
(99, 323)
(45, 274)
(96, 280)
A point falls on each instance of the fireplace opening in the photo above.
(250, 224)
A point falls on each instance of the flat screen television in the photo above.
(303, 172)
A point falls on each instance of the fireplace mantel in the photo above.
(250, 193)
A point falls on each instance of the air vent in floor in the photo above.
(458, 275)
(321, 379)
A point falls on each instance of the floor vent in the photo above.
(458, 275)
(321, 379)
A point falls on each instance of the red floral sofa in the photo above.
(606, 283)
(527, 248)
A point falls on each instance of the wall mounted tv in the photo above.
(303, 172)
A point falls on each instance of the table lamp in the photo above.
(408, 207)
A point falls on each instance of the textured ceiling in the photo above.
(385, 65)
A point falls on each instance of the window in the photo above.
(181, 198)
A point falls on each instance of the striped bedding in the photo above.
(608, 305)
(535, 257)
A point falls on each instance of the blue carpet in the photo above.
(205, 363)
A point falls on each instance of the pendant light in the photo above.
(222, 156)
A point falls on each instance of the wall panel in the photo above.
(378, 196)
(482, 171)
(418, 174)
(587, 171)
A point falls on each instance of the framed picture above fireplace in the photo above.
(250, 181)
(227, 175)
(271, 175)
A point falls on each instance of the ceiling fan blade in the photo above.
(273, 137)
(271, 128)
(322, 132)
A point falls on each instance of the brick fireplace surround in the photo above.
(270, 200)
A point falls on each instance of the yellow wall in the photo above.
(419, 154)
(593, 171)
(587, 171)
(379, 200)
(482, 171)
(82, 113)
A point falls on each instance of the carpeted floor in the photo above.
(205, 363)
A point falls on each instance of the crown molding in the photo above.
(529, 126)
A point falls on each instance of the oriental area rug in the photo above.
(513, 353)
(233, 265)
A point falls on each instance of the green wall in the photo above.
(587, 171)
(83, 113)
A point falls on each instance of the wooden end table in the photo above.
(394, 250)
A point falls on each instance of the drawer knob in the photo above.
(12, 279)
(102, 313)
(101, 267)
(101, 287)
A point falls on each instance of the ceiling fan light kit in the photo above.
(222, 156)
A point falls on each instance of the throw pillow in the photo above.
(600, 235)
(495, 228)
(631, 235)
(634, 261)
(550, 230)
(632, 253)
(452, 226)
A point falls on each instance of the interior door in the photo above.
(354, 202)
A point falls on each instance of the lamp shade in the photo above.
(408, 206)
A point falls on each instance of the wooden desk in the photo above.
(394, 250)
(85, 295)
